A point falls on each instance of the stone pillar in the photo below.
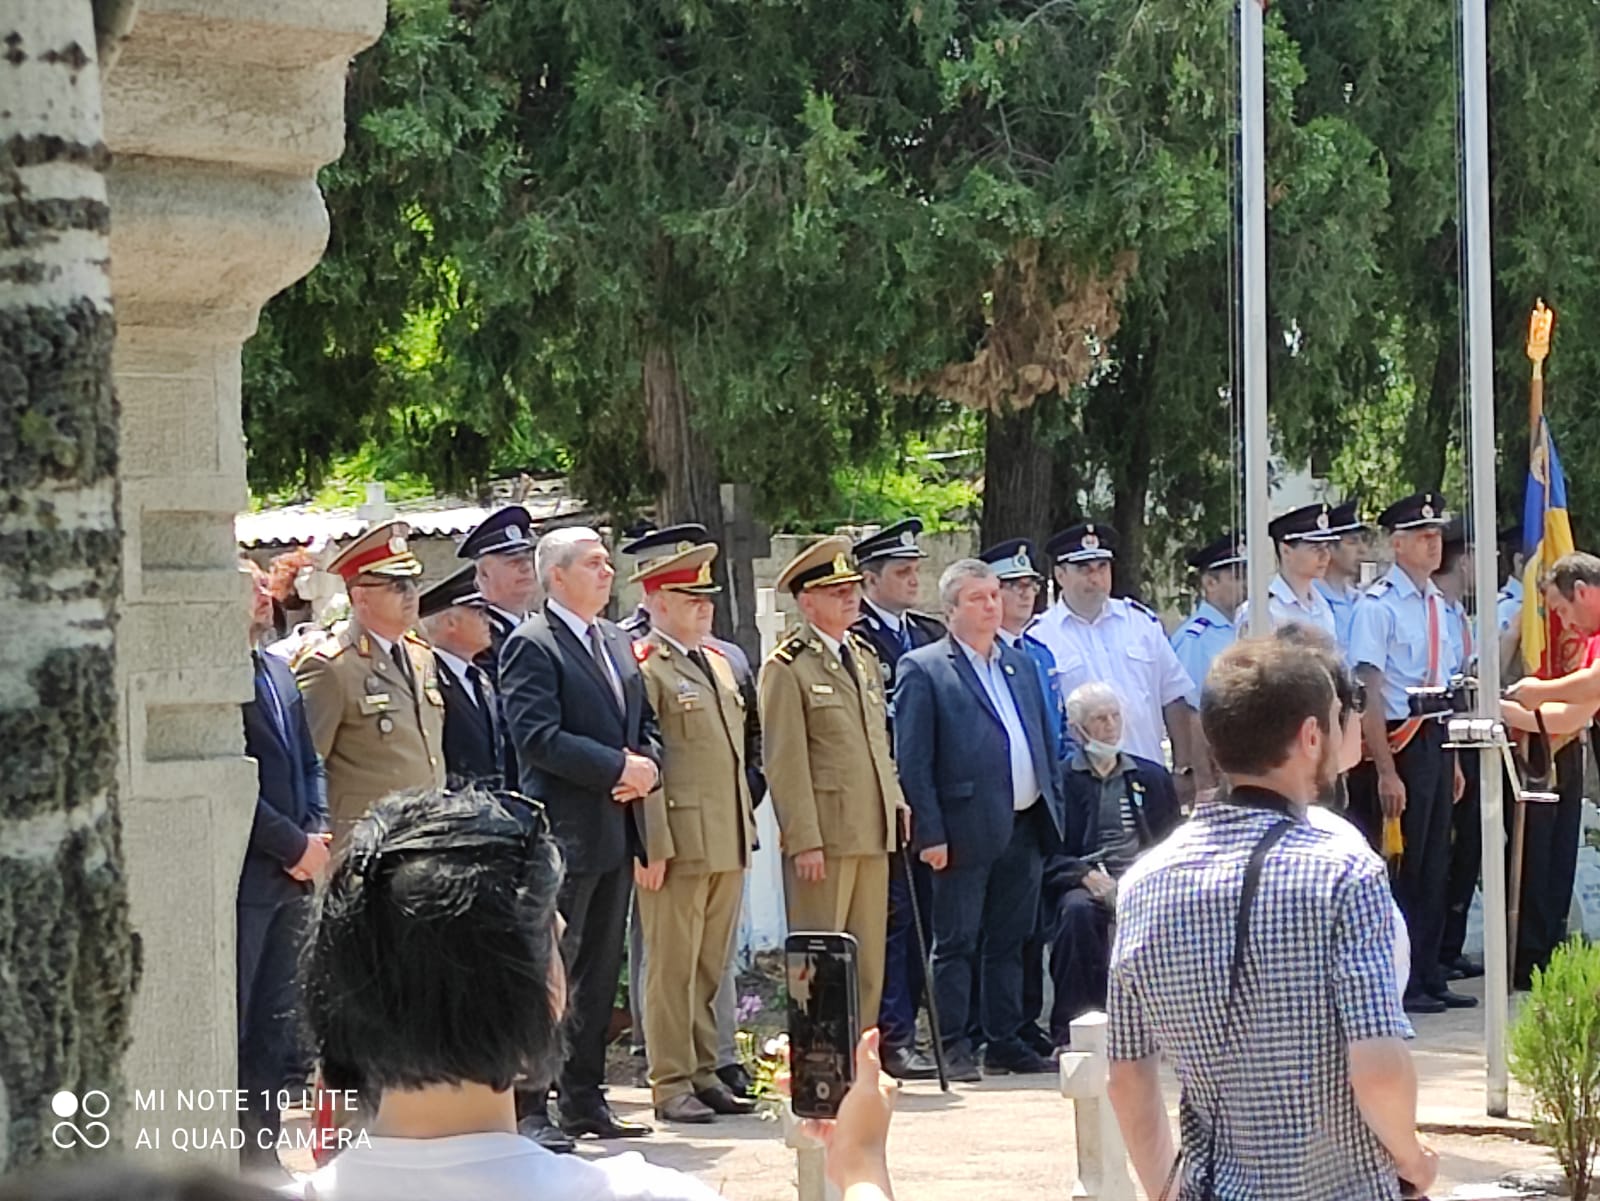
(1102, 1157)
(219, 115)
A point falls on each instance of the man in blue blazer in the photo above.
(976, 752)
(286, 851)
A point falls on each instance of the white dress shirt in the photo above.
(1126, 648)
(581, 628)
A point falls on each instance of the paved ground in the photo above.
(1013, 1137)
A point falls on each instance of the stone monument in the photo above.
(219, 114)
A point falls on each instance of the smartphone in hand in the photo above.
(824, 1020)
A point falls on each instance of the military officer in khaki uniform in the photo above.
(372, 694)
(698, 828)
(829, 768)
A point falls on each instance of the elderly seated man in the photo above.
(1118, 806)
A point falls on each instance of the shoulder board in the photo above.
(1382, 586)
(715, 650)
(788, 650)
(416, 639)
(1505, 594)
(925, 618)
(322, 648)
(642, 648)
(1137, 607)
(857, 642)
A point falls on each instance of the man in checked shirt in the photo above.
(1297, 1085)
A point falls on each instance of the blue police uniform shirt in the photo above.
(1343, 604)
(1457, 632)
(1284, 607)
(1390, 632)
(1508, 605)
(1198, 641)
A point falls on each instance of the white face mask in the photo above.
(1103, 752)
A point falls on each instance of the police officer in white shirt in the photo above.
(1304, 539)
(1095, 636)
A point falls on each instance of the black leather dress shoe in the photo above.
(1462, 968)
(962, 1068)
(598, 1121)
(1017, 1063)
(537, 1126)
(720, 1099)
(905, 1063)
(1422, 1003)
(685, 1108)
(1035, 1039)
(1454, 1000)
(736, 1078)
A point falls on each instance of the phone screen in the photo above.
(824, 1021)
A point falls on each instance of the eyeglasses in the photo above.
(404, 585)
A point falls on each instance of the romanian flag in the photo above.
(1547, 650)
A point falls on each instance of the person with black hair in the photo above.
(431, 948)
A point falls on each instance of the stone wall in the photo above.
(219, 114)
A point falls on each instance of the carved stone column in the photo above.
(219, 114)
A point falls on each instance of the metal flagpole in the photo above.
(1253, 281)
(1480, 369)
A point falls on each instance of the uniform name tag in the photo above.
(822, 689)
(374, 702)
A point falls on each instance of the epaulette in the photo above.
(1380, 587)
(1139, 607)
(325, 648)
(715, 650)
(642, 648)
(857, 642)
(926, 618)
(788, 650)
(417, 639)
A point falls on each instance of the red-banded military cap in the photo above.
(382, 553)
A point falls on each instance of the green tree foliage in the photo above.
(661, 244)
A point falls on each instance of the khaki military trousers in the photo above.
(688, 932)
(854, 898)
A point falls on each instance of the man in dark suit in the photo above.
(1118, 806)
(501, 549)
(288, 848)
(977, 758)
(890, 563)
(455, 619)
(588, 747)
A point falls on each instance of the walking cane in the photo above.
(927, 970)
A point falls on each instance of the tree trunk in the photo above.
(682, 457)
(1427, 439)
(1131, 493)
(70, 961)
(1018, 476)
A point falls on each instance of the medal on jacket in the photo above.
(385, 724)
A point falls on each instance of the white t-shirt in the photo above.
(490, 1167)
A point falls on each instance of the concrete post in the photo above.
(219, 116)
(1102, 1159)
(811, 1178)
